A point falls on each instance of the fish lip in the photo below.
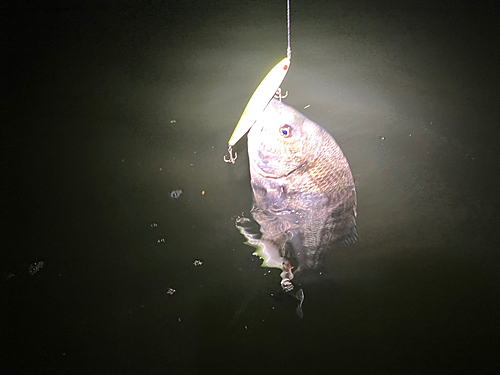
(267, 175)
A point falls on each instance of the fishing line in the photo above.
(270, 87)
(278, 95)
(289, 49)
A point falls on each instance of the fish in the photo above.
(304, 196)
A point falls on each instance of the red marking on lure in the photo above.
(285, 67)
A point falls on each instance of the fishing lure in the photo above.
(268, 88)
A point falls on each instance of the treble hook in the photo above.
(278, 94)
(231, 158)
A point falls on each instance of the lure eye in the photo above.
(286, 131)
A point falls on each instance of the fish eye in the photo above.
(286, 131)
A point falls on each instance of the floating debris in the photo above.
(170, 291)
(203, 192)
(35, 267)
(382, 138)
(154, 225)
(176, 193)
(173, 121)
(307, 106)
(197, 263)
(161, 240)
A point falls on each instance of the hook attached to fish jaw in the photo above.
(231, 158)
(278, 94)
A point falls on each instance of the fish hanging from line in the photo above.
(303, 191)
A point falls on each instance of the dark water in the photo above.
(90, 154)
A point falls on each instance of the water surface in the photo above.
(91, 152)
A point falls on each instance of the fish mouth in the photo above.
(265, 174)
